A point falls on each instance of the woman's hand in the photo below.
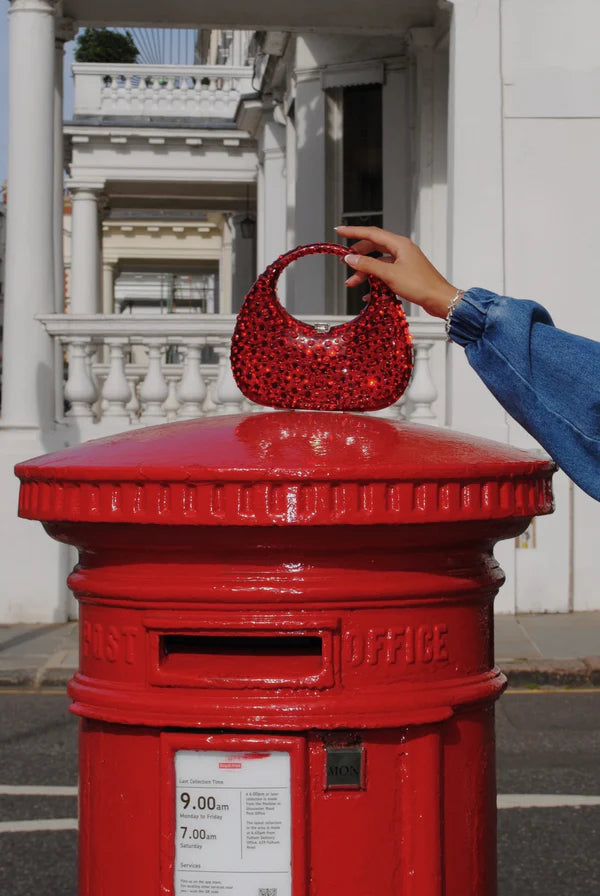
(403, 267)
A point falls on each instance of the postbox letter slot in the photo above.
(263, 659)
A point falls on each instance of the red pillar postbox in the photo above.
(287, 681)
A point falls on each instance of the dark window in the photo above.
(362, 166)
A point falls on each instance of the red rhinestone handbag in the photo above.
(281, 362)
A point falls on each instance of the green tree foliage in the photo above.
(104, 45)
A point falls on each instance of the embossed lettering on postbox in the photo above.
(395, 645)
(109, 643)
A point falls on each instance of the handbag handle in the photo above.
(273, 271)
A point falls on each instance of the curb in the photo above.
(583, 673)
(35, 679)
(540, 673)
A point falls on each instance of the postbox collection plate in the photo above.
(233, 823)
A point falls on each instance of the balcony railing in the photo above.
(145, 369)
(130, 91)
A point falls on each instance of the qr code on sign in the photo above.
(267, 891)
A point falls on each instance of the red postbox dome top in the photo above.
(285, 468)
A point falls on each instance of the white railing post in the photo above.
(171, 405)
(116, 392)
(392, 412)
(183, 94)
(421, 392)
(80, 390)
(154, 390)
(227, 396)
(192, 390)
(133, 405)
(155, 94)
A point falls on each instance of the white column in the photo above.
(237, 49)
(226, 266)
(430, 127)
(272, 193)
(103, 211)
(260, 215)
(290, 201)
(28, 378)
(108, 287)
(422, 40)
(476, 212)
(65, 30)
(243, 264)
(475, 194)
(309, 274)
(475, 143)
(85, 252)
(396, 149)
(58, 205)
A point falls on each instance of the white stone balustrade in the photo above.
(119, 391)
(187, 91)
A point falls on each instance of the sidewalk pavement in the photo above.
(533, 650)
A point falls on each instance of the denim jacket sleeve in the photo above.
(547, 379)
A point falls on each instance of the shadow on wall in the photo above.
(54, 437)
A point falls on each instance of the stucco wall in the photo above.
(551, 147)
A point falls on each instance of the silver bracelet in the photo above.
(454, 302)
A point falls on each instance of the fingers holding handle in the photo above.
(406, 270)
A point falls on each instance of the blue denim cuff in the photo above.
(469, 317)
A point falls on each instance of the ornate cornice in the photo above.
(65, 29)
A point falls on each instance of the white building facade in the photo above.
(472, 126)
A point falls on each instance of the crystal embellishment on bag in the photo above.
(281, 362)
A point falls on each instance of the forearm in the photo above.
(547, 379)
